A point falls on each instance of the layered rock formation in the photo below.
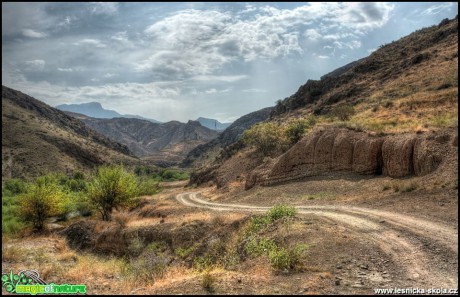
(329, 149)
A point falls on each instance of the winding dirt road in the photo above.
(427, 252)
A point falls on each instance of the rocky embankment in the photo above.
(328, 149)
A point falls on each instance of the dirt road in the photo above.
(426, 252)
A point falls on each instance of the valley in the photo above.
(347, 186)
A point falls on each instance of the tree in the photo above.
(43, 199)
(112, 188)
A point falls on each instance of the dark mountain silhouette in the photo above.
(95, 110)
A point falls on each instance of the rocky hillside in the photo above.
(393, 113)
(424, 64)
(166, 143)
(37, 138)
(329, 149)
(230, 136)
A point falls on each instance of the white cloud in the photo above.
(92, 42)
(219, 78)
(211, 91)
(65, 69)
(33, 34)
(107, 8)
(435, 9)
(199, 42)
(34, 65)
(312, 34)
(323, 57)
(254, 90)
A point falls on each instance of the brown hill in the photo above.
(392, 113)
(37, 138)
(163, 144)
(202, 153)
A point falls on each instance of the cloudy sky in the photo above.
(179, 61)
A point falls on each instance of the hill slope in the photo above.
(403, 97)
(95, 110)
(230, 136)
(165, 144)
(37, 138)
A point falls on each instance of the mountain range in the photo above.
(37, 138)
(161, 143)
(95, 110)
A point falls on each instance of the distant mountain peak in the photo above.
(95, 110)
(212, 124)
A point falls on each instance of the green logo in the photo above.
(29, 282)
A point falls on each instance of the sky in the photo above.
(182, 60)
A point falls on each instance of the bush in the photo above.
(112, 188)
(258, 246)
(185, 252)
(146, 268)
(297, 128)
(208, 282)
(282, 258)
(43, 199)
(202, 263)
(136, 247)
(281, 211)
(147, 186)
(14, 187)
(265, 137)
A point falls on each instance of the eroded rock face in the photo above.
(339, 149)
(397, 155)
(367, 155)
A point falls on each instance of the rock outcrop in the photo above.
(329, 149)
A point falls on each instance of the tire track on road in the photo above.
(400, 236)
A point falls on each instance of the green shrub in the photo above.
(83, 204)
(112, 188)
(281, 211)
(156, 247)
(43, 199)
(185, 252)
(297, 128)
(258, 246)
(136, 246)
(208, 282)
(14, 187)
(282, 258)
(279, 259)
(258, 223)
(204, 262)
(265, 137)
(78, 175)
(11, 222)
(77, 185)
(147, 186)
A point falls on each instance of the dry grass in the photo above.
(12, 253)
